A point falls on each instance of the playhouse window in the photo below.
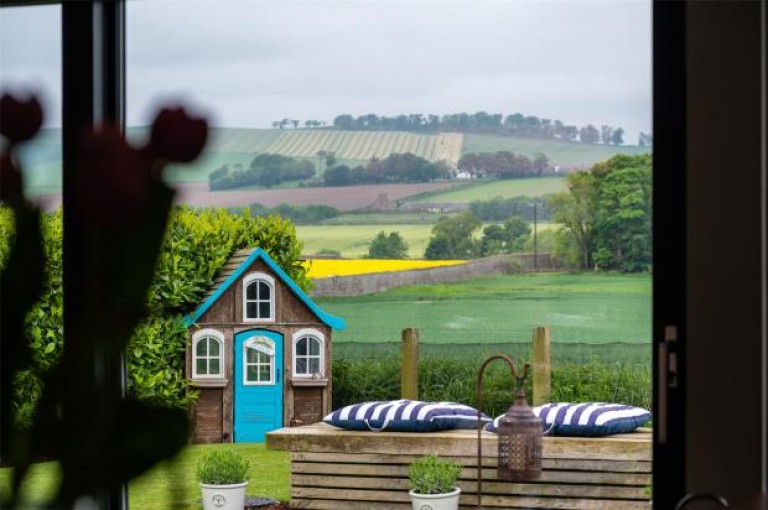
(258, 298)
(207, 354)
(259, 362)
(308, 353)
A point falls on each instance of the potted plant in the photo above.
(223, 475)
(433, 484)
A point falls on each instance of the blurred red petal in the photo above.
(20, 120)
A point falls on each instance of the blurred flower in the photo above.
(176, 137)
(19, 120)
(114, 181)
(10, 178)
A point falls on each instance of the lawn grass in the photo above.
(564, 154)
(174, 484)
(506, 188)
(580, 308)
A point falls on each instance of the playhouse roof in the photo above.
(235, 268)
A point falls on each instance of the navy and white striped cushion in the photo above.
(587, 419)
(405, 416)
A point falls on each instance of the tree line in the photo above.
(395, 168)
(504, 165)
(265, 170)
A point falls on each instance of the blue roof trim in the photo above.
(327, 319)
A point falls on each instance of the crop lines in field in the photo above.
(365, 145)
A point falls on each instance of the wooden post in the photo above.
(409, 375)
(542, 378)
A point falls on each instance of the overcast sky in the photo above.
(249, 62)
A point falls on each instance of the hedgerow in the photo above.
(198, 244)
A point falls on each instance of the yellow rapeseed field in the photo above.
(322, 268)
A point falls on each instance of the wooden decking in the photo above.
(338, 469)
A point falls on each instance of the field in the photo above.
(580, 308)
(502, 188)
(564, 154)
(323, 268)
(352, 240)
(365, 145)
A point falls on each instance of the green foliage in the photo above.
(608, 211)
(385, 246)
(265, 170)
(405, 167)
(198, 244)
(222, 467)
(430, 475)
(499, 208)
(453, 238)
(507, 238)
(298, 214)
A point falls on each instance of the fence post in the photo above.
(409, 375)
(542, 377)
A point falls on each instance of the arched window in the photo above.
(208, 354)
(308, 353)
(258, 298)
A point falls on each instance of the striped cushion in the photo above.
(587, 419)
(405, 416)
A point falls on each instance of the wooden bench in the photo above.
(338, 469)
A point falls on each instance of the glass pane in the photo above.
(213, 367)
(263, 290)
(314, 366)
(301, 347)
(264, 310)
(314, 347)
(301, 366)
(213, 347)
(251, 311)
(264, 371)
(252, 373)
(250, 292)
(252, 355)
(202, 347)
(201, 367)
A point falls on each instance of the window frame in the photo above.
(312, 334)
(248, 344)
(270, 281)
(196, 338)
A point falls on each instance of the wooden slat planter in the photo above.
(338, 469)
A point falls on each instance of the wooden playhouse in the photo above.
(259, 354)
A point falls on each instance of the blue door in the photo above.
(258, 384)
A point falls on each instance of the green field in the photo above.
(564, 154)
(580, 308)
(506, 188)
(352, 240)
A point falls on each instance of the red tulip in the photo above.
(176, 137)
(20, 120)
(114, 182)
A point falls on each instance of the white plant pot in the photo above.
(224, 497)
(447, 501)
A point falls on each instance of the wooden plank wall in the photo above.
(614, 475)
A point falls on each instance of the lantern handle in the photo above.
(479, 399)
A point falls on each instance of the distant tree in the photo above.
(459, 232)
(384, 246)
(330, 159)
(506, 238)
(617, 138)
(606, 134)
(344, 121)
(574, 208)
(295, 123)
(589, 134)
(340, 175)
(276, 124)
(645, 139)
(540, 162)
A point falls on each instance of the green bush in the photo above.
(222, 467)
(431, 475)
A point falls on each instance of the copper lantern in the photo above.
(519, 434)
